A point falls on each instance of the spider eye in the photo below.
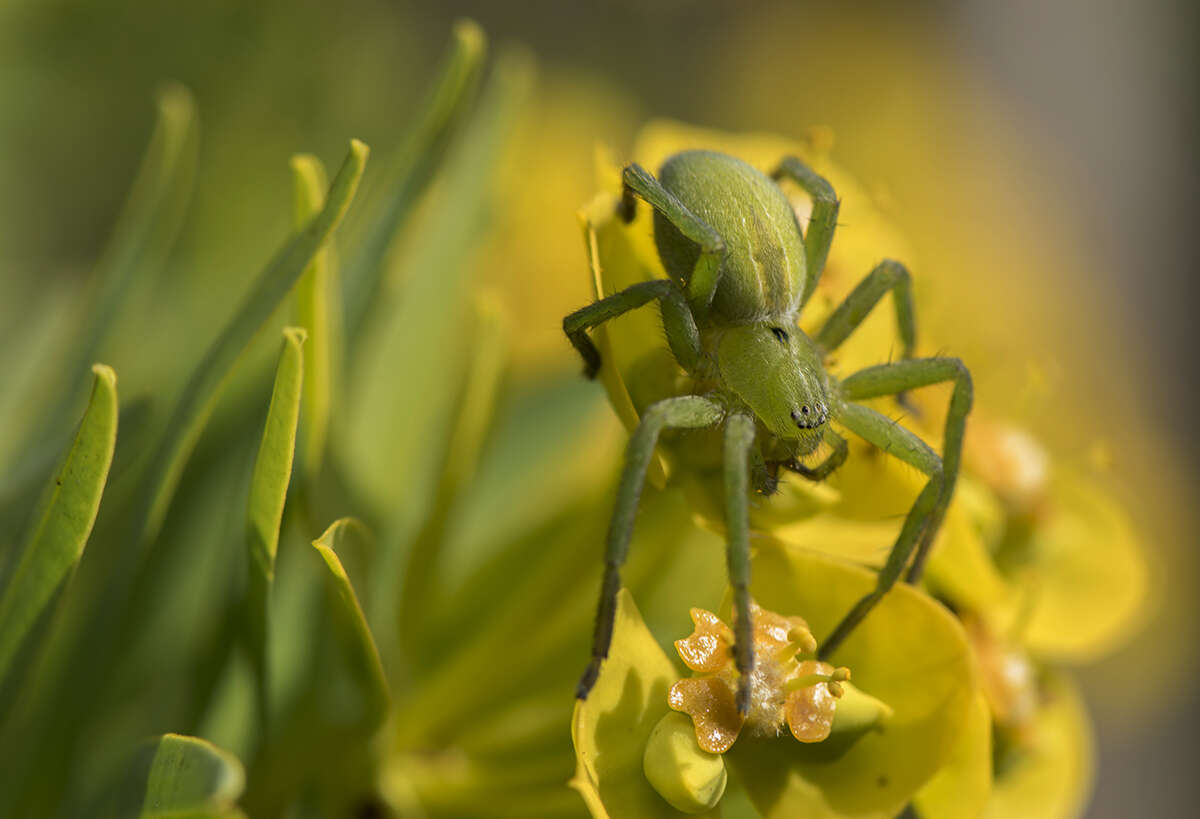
(804, 409)
(780, 334)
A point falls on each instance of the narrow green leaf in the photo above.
(114, 612)
(187, 776)
(143, 236)
(319, 311)
(415, 163)
(144, 233)
(152, 215)
(356, 640)
(268, 491)
(201, 391)
(421, 334)
(61, 528)
(476, 405)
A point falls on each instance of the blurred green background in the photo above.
(1044, 150)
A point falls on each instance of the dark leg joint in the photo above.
(584, 346)
(588, 680)
(627, 207)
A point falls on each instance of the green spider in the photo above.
(741, 270)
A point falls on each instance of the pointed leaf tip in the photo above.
(62, 524)
(469, 36)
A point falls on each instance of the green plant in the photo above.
(198, 607)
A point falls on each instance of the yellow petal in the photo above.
(1086, 579)
(910, 652)
(610, 728)
(635, 360)
(857, 711)
(690, 779)
(961, 789)
(1052, 777)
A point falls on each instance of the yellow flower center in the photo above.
(783, 688)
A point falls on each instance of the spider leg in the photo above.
(819, 235)
(739, 438)
(702, 284)
(828, 466)
(678, 322)
(886, 276)
(898, 441)
(895, 378)
(685, 412)
(925, 517)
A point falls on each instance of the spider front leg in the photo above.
(702, 285)
(925, 517)
(678, 322)
(739, 438)
(685, 412)
(828, 466)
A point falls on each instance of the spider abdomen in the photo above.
(763, 272)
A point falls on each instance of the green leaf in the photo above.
(184, 776)
(357, 644)
(114, 613)
(415, 163)
(475, 409)
(61, 529)
(151, 217)
(330, 696)
(319, 311)
(143, 236)
(200, 394)
(268, 491)
(148, 223)
(421, 335)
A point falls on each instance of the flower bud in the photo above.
(690, 779)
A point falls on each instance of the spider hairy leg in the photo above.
(841, 450)
(819, 235)
(897, 378)
(702, 285)
(925, 518)
(887, 276)
(684, 412)
(897, 441)
(678, 322)
(739, 438)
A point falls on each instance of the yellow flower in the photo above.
(802, 693)
(913, 656)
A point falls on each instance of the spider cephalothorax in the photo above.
(740, 270)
